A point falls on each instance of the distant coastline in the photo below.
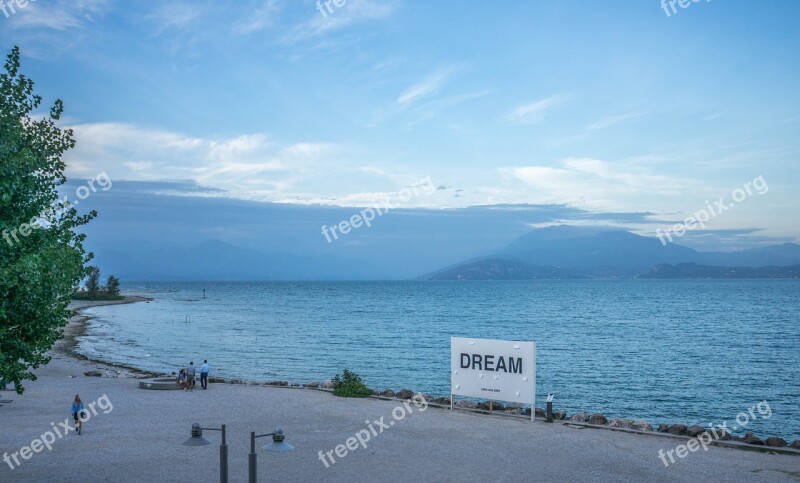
(79, 323)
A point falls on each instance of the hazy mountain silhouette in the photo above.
(557, 252)
(214, 260)
(573, 252)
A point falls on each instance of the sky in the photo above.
(617, 108)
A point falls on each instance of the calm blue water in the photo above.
(666, 351)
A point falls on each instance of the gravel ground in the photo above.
(140, 439)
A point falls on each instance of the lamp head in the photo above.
(197, 438)
(278, 444)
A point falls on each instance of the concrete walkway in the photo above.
(140, 440)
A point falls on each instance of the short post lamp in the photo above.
(197, 439)
(277, 445)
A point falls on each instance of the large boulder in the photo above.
(663, 428)
(581, 417)
(404, 394)
(776, 442)
(598, 418)
(619, 423)
(750, 438)
(540, 413)
(387, 393)
(796, 444)
(677, 429)
(559, 415)
(720, 434)
(312, 384)
(466, 403)
(641, 425)
(695, 430)
(638, 425)
(496, 406)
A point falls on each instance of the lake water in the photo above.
(665, 351)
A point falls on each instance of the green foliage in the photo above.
(93, 282)
(112, 286)
(40, 263)
(93, 289)
(349, 384)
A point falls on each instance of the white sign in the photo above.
(499, 370)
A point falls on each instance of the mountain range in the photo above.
(214, 260)
(594, 252)
(556, 252)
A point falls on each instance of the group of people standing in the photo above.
(186, 376)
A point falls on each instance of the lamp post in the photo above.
(277, 445)
(197, 439)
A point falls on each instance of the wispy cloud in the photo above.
(431, 84)
(244, 164)
(59, 15)
(174, 15)
(609, 121)
(259, 19)
(250, 166)
(349, 14)
(599, 184)
(533, 112)
(429, 110)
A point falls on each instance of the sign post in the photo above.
(497, 370)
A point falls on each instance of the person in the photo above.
(190, 374)
(204, 370)
(182, 378)
(77, 413)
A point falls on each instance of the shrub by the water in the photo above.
(349, 384)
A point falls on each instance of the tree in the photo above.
(93, 282)
(349, 384)
(112, 285)
(41, 255)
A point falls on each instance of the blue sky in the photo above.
(605, 107)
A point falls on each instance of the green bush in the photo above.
(349, 384)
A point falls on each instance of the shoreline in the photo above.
(456, 446)
(78, 325)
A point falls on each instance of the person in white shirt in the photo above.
(204, 370)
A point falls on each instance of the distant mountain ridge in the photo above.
(594, 252)
(214, 260)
